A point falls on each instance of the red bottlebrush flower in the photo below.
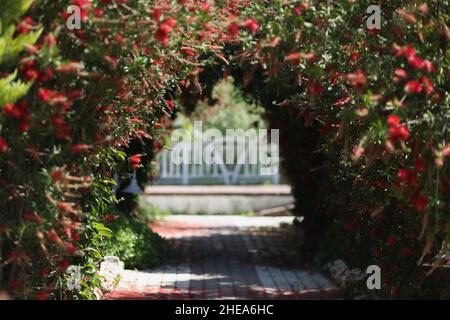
(24, 26)
(420, 202)
(170, 104)
(373, 232)
(427, 65)
(71, 248)
(63, 264)
(85, 6)
(342, 101)
(171, 22)
(42, 295)
(316, 89)
(404, 174)
(32, 216)
(391, 241)
(31, 74)
(13, 111)
(205, 6)
(252, 25)
(75, 236)
(156, 14)
(55, 238)
(24, 125)
(188, 51)
(46, 95)
(413, 86)
(66, 207)
(393, 120)
(135, 159)
(401, 73)
(429, 88)
(98, 13)
(162, 37)
(415, 62)
(3, 145)
(400, 132)
(79, 148)
(293, 58)
(297, 10)
(419, 165)
(357, 79)
(70, 67)
(165, 27)
(233, 30)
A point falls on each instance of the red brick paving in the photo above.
(223, 257)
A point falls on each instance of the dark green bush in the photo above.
(135, 244)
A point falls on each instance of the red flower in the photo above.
(63, 264)
(429, 88)
(135, 161)
(415, 61)
(24, 27)
(252, 25)
(297, 10)
(55, 238)
(393, 120)
(79, 148)
(399, 132)
(162, 35)
(413, 86)
(71, 248)
(401, 73)
(428, 66)
(14, 111)
(316, 89)
(419, 201)
(170, 104)
(419, 165)
(357, 79)
(190, 52)
(156, 14)
(404, 174)
(3, 145)
(293, 58)
(233, 30)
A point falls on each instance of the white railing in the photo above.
(243, 170)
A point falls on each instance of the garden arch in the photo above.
(364, 114)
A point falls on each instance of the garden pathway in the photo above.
(225, 257)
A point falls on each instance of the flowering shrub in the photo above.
(363, 115)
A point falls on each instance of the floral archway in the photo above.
(363, 114)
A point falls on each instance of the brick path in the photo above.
(224, 257)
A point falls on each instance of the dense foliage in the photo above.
(135, 244)
(363, 115)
